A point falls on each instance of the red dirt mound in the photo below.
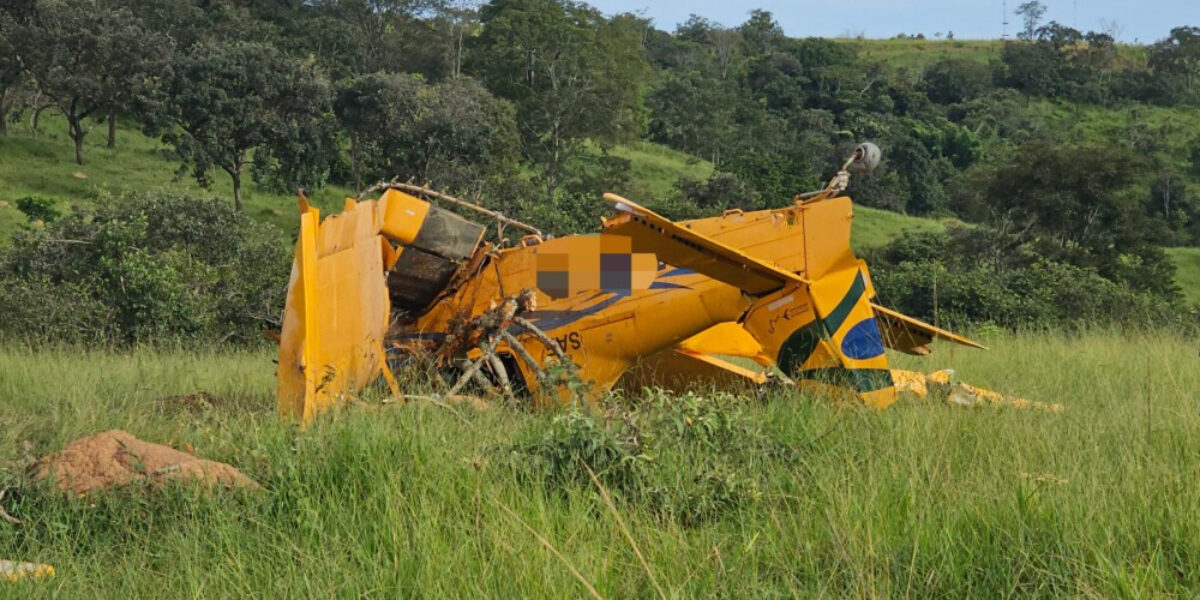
(114, 458)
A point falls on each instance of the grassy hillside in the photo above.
(917, 54)
(1166, 133)
(1187, 271)
(921, 500)
(656, 168)
(921, 53)
(43, 165)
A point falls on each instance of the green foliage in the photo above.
(719, 192)
(86, 57)
(1076, 205)
(956, 80)
(572, 74)
(688, 458)
(1031, 13)
(576, 441)
(454, 133)
(1176, 60)
(38, 208)
(11, 72)
(143, 269)
(219, 102)
(977, 275)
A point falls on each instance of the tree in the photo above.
(950, 81)
(674, 104)
(376, 112)
(10, 67)
(1036, 69)
(760, 33)
(1031, 12)
(572, 74)
(460, 18)
(144, 268)
(1176, 60)
(465, 137)
(219, 102)
(1077, 204)
(454, 133)
(86, 59)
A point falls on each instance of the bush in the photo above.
(38, 208)
(142, 268)
(687, 459)
(721, 191)
(975, 275)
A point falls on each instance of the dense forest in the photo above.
(520, 103)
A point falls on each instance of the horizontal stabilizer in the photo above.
(679, 246)
(906, 334)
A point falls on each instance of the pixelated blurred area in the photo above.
(603, 262)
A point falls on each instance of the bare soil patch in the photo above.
(115, 458)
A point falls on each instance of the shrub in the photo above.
(38, 208)
(687, 459)
(973, 275)
(142, 268)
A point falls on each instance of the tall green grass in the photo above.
(920, 500)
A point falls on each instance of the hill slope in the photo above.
(42, 165)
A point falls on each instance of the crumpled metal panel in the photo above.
(336, 314)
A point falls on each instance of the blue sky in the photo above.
(1141, 20)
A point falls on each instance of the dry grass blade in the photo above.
(625, 531)
(545, 542)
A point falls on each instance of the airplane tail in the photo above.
(827, 337)
(819, 326)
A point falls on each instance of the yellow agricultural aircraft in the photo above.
(646, 302)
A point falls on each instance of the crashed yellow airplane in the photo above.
(647, 302)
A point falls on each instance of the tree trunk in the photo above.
(112, 128)
(237, 189)
(4, 109)
(37, 116)
(354, 166)
(76, 132)
(79, 150)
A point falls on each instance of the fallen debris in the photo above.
(940, 384)
(13, 571)
(116, 458)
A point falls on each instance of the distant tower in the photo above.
(1004, 22)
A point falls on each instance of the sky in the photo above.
(1143, 21)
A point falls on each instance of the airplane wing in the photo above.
(679, 246)
(680, 370)
(906, 334)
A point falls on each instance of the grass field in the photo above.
(922, 500)
(1187, 271)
